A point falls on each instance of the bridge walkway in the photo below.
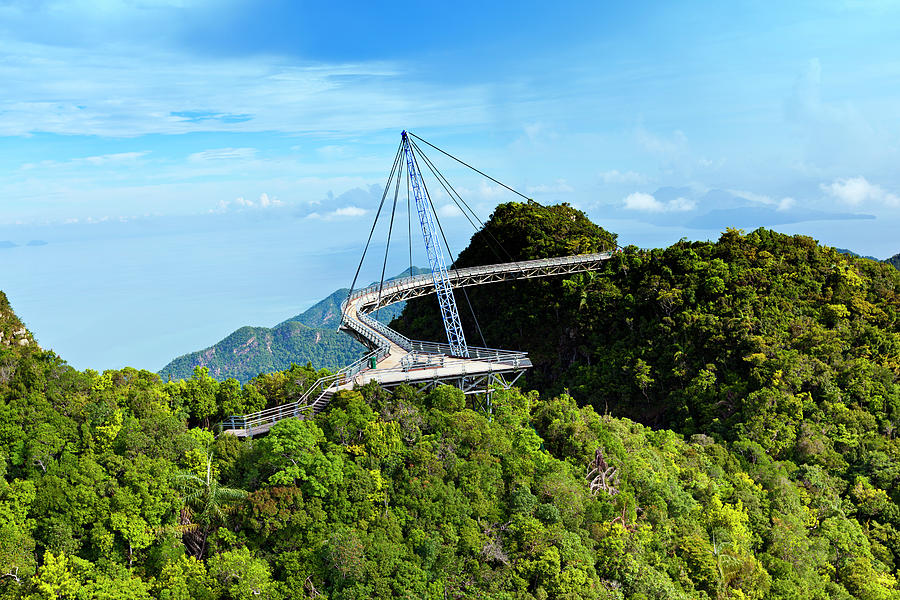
(395, 359)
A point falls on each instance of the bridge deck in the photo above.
(402, 360)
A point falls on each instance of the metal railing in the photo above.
(475, 352)
(425, 364)
(423, 355)
(416, 281)
(386, 332)
(319, 389)
(419, 360)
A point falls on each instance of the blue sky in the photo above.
(126, 126)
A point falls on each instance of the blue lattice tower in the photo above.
(449, 312)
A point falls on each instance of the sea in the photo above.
(140, 292)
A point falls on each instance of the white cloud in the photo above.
(350, 211)
(615, 176)
(857, 190)
(222, 154)
(558, 187)
(345, 212)
(330, 151)
(449, 210)
(643, 202)
(837, 134)
(647, 203)
(106, 159)
(681, 205)
(491, 191)
(752, 196)
(669, 147)
(102, 160)
(265, 201)
(151, 89)
(786, 203)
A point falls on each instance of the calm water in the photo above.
(141, 293)
(107, 296)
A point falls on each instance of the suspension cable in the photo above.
(451, 192)
(449, 251)
(387, 246)
(387, 186)
(460, 203)
(468, 165)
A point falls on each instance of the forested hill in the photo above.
(12, 330)
(762, 335)
(310, 337)
(249, 351)
(114, 485)
(894, 260)
(113, 488)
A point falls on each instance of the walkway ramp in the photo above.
(395, 359)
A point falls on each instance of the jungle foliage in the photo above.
(111, 489)
(774, 367)
(894, 260)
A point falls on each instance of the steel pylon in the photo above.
(449, 311)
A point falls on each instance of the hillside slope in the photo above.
(774, 343)
(249, 351)
(704, 337)
(894, 260)
(777, 358)
(110, 489)
(12, 331)
(310, 337)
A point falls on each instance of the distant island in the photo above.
(10, 244)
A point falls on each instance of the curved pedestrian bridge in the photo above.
(395, 359)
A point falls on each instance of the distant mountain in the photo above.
(894, 260)
(327, 312)
(852, 253)
(9, 244)
(311, 336)
(250, 351)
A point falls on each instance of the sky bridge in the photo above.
(394, 359)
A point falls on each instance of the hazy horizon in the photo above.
(196, 166)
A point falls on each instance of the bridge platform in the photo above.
(395, 359)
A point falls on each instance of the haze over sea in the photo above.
(196, 166)
(139, 293)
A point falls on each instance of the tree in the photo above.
(238, 575)
(206, 503)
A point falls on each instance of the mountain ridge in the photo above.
(775, 359)
(308, 337)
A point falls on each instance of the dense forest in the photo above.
(710, 420)
(894, 260)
